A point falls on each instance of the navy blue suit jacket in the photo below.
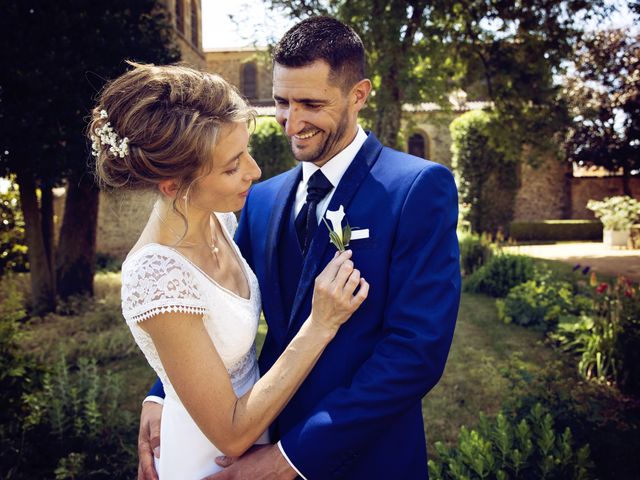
(358, 414)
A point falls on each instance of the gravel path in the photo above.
(605, 260)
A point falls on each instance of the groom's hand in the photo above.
(149, 440)
(259, 463)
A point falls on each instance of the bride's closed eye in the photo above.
(235, 168)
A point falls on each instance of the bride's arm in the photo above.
(200, 378)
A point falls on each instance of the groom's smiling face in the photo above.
(314, 110)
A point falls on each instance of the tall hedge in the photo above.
(270, 148)
(488, 182)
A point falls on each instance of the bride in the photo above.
(189, 298)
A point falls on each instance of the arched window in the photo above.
(419, 145)
(248, 80)
(180, 15)
(195, 25)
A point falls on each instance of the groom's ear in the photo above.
(359, 93)
(169, 188)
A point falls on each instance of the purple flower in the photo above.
(586, 269)
(576, 267)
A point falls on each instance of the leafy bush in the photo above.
(537, 303)
(107, 263)
(13, 244)
(593, 341)
(270, 148)
(555, 230)
(500, 274)
(475, 250)
(76, 427)
(607, 337)
(488, 181)
(20, 375)
(616, 213)
(506, 448)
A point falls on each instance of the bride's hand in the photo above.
(334, 297)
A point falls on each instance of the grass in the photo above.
(491, 366)
(477, 375)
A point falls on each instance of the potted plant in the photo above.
(617, 215)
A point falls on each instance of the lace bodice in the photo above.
(158, 279)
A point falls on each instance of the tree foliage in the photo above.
(270, 147)
(488, 181)
(505, 52)
(13, 251)
(56, 56)
(604, 94)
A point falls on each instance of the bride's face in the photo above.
(225, 187)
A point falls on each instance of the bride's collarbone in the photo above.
(226, 271)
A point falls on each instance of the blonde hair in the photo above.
(171, 116)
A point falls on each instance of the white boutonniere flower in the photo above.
(337, 235)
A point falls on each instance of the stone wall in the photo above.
(434, 127)
(228, 64)
(121, 218)
(544, 192)
(584, 189)
(191, 51)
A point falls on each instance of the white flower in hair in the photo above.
(106, 135)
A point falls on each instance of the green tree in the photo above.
(56, 56)
(488, 181)
(506, 52)
(604, 94)
(270, 147)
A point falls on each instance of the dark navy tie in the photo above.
(307, 220)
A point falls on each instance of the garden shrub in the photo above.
(504, 448)
(488, 180)
(592, 340)
(536, 303)
(20, 375)
(475, 251)
(270, 148)
(606, 338)
(500, 274)
(107, 263)
(556, 230)
(76, 427)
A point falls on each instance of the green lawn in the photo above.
(491, 366)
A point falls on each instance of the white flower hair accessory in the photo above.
(108, 136)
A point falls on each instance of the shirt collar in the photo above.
(335, 168)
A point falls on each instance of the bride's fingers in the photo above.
(345, 270)
(334, 265)
(352, 283)
(362, 294)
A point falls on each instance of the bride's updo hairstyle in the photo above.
(161, 122)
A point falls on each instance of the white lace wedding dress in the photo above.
(157, 279)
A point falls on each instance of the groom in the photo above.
(358, 415)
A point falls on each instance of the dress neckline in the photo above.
(208, 277)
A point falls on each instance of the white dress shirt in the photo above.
(334, 170)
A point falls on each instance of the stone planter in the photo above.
(615, 238)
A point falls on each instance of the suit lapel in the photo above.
(277, 223)
(346, 189)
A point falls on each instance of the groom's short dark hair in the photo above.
(328, 39)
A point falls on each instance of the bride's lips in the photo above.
(245, 193)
